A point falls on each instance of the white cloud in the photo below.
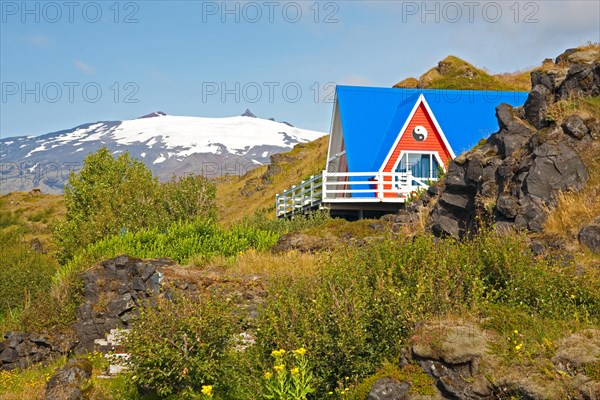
(38, 40)
(85, 68)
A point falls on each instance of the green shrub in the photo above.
(179, 346)
(111, 195)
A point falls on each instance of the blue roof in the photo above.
(372, 118)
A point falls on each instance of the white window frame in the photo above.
(429, 152)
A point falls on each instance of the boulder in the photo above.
(507, 205)
(581, 81)
(457, 200)
(555, 167)
(577, 350)
(575, 127)
(389, 389)
(537, 104)
(8, 356)
(451, 353)
(577, 56)
(67, 382)
(584, 57)
(455, 344)
(589, 236)
(514, 133)
(543, 78)
(445, 225)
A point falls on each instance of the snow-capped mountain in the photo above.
(169, 145)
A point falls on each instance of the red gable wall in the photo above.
(433, 142)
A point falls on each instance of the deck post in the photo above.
(324, 186)
(293, 200)
(312, 190)
(380, 181)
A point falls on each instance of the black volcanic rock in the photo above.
(153, 114)
(514, 178)
(248, 113)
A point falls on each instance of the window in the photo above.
(420, 165)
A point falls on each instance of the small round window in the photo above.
(419, 133)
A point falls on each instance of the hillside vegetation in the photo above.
(240, 197)
(454, 73)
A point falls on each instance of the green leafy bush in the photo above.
(178, 346)
(110, 195)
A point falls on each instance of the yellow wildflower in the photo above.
(277, 353)
(515, 331)
(300, 352)
(518, 347)
(207, 390)
(295, 371)
(279, 368)
(268, 375)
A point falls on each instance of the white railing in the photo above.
(348, 187)
(359, 187)
(299, 199)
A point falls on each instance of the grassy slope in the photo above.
(240, 197)
(36, 211)
(454, 73)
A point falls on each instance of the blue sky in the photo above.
(64, 63)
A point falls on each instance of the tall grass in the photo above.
(180, 241)
(25, 274)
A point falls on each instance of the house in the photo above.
(386, 144)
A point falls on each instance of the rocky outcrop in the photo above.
(115, 289)
(589, 236)
(67, 382)
(111, 293)
(20, 350)
(514, 178)
(577, 350)
(454, 359)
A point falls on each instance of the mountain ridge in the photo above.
(168, 144)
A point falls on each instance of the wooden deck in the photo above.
(356, 192)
